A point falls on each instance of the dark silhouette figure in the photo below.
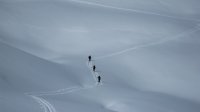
(99, 79)
(89, 58)
(94, 68)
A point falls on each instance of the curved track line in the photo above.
(48, 107)
(133, 10)
(45, 105)
(195, 29)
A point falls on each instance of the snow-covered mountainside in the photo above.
(146, 52)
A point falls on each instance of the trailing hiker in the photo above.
(99, 79)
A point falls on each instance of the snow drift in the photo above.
(147, 53)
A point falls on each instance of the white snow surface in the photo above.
(146, 51)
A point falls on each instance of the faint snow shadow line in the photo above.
(190, 31)
(133, 10)
(52, 92)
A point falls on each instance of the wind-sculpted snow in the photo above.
(145, 51)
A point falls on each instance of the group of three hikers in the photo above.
(94, 69)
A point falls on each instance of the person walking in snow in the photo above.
(99, 79)
(94, 68)
(89, 58)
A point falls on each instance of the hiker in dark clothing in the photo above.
(99, 79)
(89, 58)
(94, 67)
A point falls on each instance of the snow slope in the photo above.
(147, 53)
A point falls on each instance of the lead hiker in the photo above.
(89, 58)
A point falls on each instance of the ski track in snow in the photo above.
(48, 107)
(45, 105)
(132, 10)
(193, 30)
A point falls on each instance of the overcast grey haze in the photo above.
(147, 53)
